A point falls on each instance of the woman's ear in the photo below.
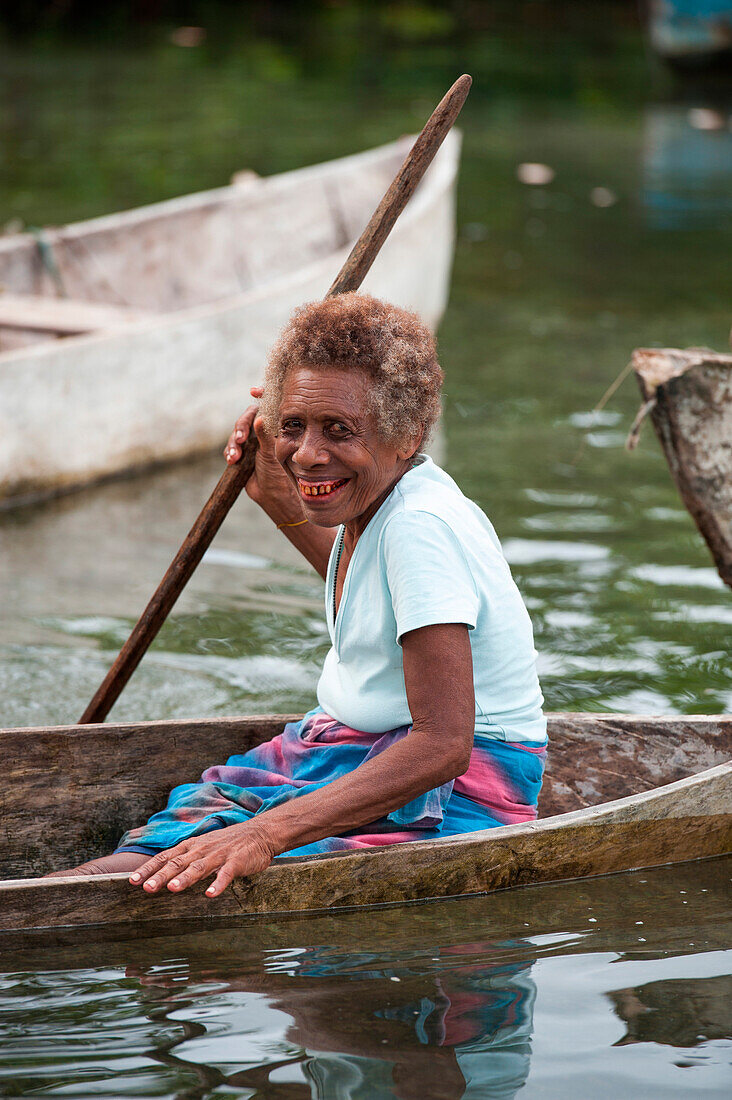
(410, 449)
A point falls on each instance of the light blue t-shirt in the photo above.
(429, 555)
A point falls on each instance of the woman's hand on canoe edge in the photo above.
(232, 852)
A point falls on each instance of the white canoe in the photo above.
(133, 339)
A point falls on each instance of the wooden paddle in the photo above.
(234, 478)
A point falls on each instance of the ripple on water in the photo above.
(565, 499)
(597, 418)
(689, 613)
(682, 576)
(51, 685)
(237, 559)
(530, 551)
(571, 521)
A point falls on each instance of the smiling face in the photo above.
(328, 444)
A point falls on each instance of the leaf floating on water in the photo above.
(534, 174)
(704, 118)
(475, 231)
(603, 197)
(188, 36)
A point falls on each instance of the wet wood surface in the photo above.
(691, 396)
(69, 792)
(554, 908)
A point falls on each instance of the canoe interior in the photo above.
(72, 791)
(199, 248)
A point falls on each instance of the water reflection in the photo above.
(678, 1012)
(366, 1027)
(588, 987)
(687, 166)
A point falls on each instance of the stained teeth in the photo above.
(320, 490)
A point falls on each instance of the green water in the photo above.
(550, 295)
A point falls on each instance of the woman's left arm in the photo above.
(438, 674)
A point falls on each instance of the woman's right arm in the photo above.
(272, 490)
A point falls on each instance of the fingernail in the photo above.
(239, 435)
(136, 877)
(175, 882)
(210, 891)
(150, 884)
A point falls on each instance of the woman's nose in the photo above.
(310, 450)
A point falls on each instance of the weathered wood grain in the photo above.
(692, 415)
(69, 792)
(549, 908)
(684, 820)
(74, 789)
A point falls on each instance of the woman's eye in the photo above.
(339, 429)
(290, 426)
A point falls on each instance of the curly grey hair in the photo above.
(358, 332)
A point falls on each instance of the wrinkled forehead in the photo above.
(343, 390)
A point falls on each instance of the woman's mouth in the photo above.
(310, 489)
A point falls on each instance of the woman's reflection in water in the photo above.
(376, 1028)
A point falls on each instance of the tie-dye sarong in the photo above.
(500, 787)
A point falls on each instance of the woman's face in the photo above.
(329, 447)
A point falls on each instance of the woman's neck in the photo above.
(356, 527)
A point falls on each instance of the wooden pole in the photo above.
(234, 478)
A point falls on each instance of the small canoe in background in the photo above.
(621, 792)
(134, 338)
(689, 396)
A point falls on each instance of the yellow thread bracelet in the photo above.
(296, 524)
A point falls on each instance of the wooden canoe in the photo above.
(134, 338)
(689, 396)
(621, 792)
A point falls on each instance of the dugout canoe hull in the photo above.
(182, 301)
(689, 397)
(70, 792)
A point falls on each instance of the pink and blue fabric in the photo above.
(500, 787)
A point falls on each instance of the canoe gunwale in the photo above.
(195, 200)
(271, 719)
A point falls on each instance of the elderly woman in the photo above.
(429, 718)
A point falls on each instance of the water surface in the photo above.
(551, 293)
(617, 987)
(604, 988)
